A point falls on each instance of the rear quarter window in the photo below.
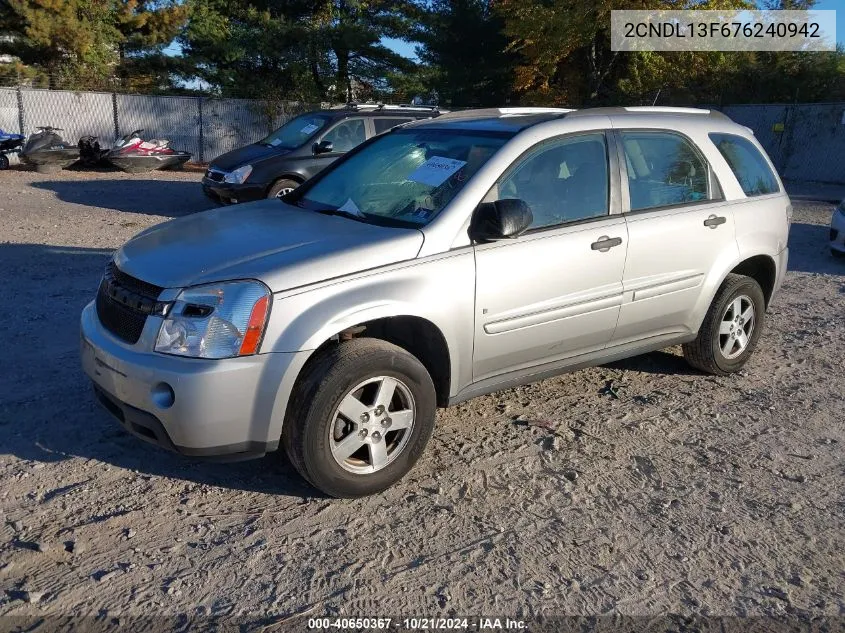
(747, 163)
(382, 124)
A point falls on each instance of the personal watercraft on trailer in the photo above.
(9, 144)
(48, 151)
(90, 151)
(133, 154)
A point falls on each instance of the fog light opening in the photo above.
(162, 395)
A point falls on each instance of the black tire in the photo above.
(4, 161)
(325, 381)
(280, 185)
(705, 352)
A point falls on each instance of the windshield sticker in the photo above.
(310, 128)
(436, 170)
(422, 213)
(350, 207)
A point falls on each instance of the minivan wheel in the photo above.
(360, 417)
(281, 188)
(731, 329)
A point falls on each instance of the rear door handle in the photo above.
(605, 243)
(714, 220)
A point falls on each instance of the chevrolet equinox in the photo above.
(442, 260)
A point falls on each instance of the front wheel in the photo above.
(731, 329)
(360, 417)
(4, 161)
(281, 188)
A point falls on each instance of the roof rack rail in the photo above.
(677, 110)
(502, 112)
(667, 109)
(519, 111)
(382, 106)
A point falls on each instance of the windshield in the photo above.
(404, 178)
(296, 132)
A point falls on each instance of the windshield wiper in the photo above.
(343, 213)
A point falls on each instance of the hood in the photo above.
(249, 154)
(282, 245)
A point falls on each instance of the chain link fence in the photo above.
(206, 127)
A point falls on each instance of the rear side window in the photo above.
(664, 169)
(383, 124)
(748, 165)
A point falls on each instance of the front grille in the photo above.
(214, 175)
(124, 302)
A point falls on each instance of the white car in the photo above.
(837, 231)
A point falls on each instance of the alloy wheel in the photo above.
(736, 327)
(372, 425)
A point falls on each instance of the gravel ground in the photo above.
(688, 493)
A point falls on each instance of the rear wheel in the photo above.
(731, 329)
(282, 187)
(360, 417)
(4, 161)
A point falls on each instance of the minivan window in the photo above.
(562, 180)
(748, 165)
(296, 132)
(346, 135)
(663, 169)
(403, 178)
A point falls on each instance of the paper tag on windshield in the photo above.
(308, 129)
(350, 207)
(436, 170)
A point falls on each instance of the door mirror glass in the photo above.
(499, 220)
(323, 147)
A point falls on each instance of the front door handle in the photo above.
(605, 243)
(714, 221)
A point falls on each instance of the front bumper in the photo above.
(837, 232)
(228, 193)
(231, 408)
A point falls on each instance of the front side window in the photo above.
(346, 135)
(664, 169)
(562, 180)
(403, 178)
(748, 165)
(296, 132)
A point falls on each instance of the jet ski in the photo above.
(91, 153)
(133, 154)
(9, 144)
(48, 151)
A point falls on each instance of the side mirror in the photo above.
(323, 147)
(500, 220)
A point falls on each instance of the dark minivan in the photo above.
(299, 149)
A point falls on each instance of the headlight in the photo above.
(216, 320)
(239, 175)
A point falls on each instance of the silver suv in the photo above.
(436, 262)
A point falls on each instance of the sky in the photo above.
(839, 7)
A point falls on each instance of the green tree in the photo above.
(81, 43)
(464, 49)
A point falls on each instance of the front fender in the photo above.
(439, 289)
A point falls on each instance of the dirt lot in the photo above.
(687, 493)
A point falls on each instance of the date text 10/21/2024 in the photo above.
(418, 624)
